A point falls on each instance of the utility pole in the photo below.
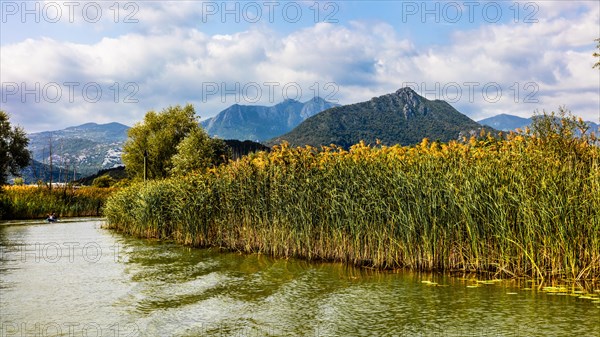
(145, 165)
(50, 143)
(62, 162)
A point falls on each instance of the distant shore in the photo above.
(36, 202)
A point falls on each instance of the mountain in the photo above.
(505, 122)
(259, 123)
(594, 127)
(239, 149)
(38, 171)
(116, 173)
(402, 117)
(84, 149)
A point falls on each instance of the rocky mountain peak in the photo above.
(245, 122)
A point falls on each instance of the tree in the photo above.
(14, 155)
(597, 54)
(562, 126)
(103, 181)
(198, 152)
(156, 138)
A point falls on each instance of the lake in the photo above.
(75, 278)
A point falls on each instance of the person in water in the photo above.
(52, 217)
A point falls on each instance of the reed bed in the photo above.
(31, 202)
(514, 206)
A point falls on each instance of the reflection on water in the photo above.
(75, 278)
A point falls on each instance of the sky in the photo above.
(68, 63)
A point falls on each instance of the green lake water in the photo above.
(75, 278)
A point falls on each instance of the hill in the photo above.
(116, 173)
(402, 117)
(85, 148)
(240, 149)
(507, 122)
(259, 123)
(39, 171)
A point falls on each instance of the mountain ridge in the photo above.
(86, 148)
(507, 122)
(402, 117)
(259, 123)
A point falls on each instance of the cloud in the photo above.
(536, 66)
(549, 61)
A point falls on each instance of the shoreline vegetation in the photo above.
(522, 205)
(36, 202)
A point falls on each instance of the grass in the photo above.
(31, 202)
(522, 205)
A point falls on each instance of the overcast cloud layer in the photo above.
(177, 53)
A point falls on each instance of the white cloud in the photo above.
(174, 65)
(553, 54)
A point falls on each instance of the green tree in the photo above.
(103, 181)
(14, 155)
(561, 133)
(156, 138)
(563, 126)
(198, 152)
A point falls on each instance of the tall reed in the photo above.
(30, 202)
(515, 206)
